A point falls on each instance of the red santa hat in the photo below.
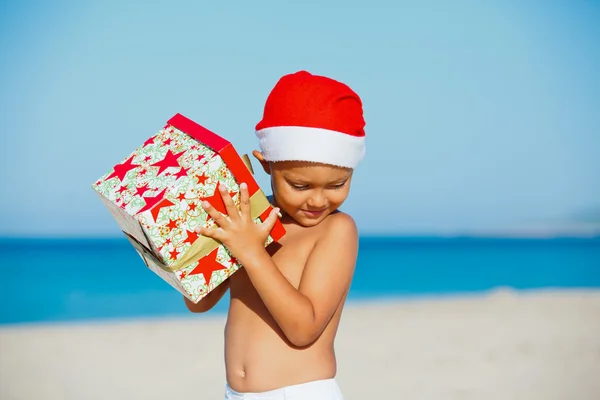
(312, 118)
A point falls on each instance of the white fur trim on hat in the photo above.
(298, 143)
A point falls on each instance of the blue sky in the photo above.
(481, 116)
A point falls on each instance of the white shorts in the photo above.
(326, 389)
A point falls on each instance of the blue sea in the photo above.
(49, 280)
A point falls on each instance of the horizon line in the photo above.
(371, 235)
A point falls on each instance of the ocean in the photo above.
(51, 280)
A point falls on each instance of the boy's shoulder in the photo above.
(338, 228)
(339, 221)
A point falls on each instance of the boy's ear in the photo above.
(265, 164)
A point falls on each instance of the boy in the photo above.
(287, 301)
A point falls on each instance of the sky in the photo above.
(481, 116)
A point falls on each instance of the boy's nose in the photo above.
(317, 200)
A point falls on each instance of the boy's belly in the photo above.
(259, 358)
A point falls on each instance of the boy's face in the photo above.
(307, 192)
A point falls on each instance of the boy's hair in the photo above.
(312, 118)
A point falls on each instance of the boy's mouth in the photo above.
(314, 213)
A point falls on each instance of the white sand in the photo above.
(510, 346)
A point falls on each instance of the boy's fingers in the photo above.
(244, 200)
(219, 218)
(232, 210)
(214, 233)
(269, 223)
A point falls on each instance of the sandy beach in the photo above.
(499, 345)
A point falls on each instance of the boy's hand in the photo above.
(237, 231)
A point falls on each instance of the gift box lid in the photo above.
(218, 144)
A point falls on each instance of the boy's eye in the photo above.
(299, 187)
(306, 187)
(338, 186)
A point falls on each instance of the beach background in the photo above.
(478, 201)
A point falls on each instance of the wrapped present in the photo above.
(155, 196)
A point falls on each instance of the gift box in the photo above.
(155, 196)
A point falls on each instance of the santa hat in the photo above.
(312, 118)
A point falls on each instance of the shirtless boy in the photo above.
(287, 300)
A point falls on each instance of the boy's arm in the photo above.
(303, 313)
(209, 301)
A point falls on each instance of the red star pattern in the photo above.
(174, 254)
(207, 265)
(149, 142)
(172, 225)
(122, 189)
(141, 190)
(201, 179)
(191, 237)
(192, 206)
(216, 201)
(121, 170)
(163, 203)
(156, 203)
(182, 172)
(168, 241)
(167, 142)
(170, 160)
(181, 196)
